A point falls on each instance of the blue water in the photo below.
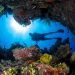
(9, 35)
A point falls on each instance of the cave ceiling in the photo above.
(23, 11)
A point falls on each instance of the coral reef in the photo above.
(29, 61)
(34, 69)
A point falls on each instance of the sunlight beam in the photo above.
(16, 27)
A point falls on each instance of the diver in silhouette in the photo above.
(41, 37)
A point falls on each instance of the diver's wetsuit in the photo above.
(37, 36)
(41, 37)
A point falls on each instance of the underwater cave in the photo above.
(37, 37)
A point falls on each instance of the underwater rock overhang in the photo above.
(57, 10)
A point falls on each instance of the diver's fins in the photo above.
(58, 31)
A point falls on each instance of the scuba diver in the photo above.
(41, 37)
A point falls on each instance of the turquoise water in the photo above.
(11, 32)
